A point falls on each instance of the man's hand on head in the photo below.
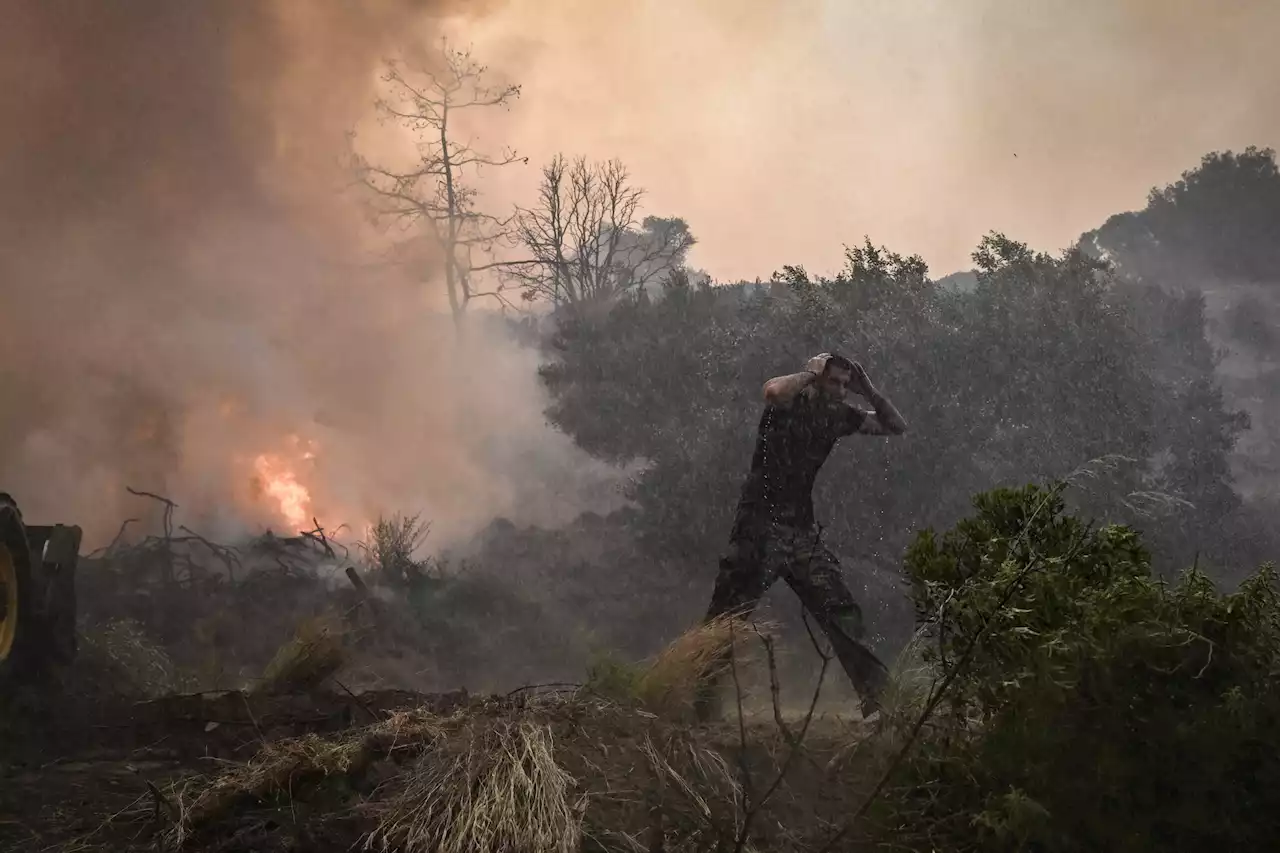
(886, 419)
(861, 383)
(818, 363)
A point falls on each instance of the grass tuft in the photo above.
(668, 684)
(121, 656)
(314, 653)
(494, 786)
(911, 679)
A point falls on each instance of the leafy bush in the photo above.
(1094, 706)
(391, 552)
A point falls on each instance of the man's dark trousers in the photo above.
(762, 551)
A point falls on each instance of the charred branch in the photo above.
(433, 197)
(585, 241)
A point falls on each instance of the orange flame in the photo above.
(281, 484)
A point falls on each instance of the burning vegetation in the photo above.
(274, 480)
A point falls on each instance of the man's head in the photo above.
(833, 382)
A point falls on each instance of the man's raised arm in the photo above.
(886, 420)
(781, 390)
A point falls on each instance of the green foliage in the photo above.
(614, 679)
(391, 551)
(1095, 707)
(1041, 366)
(1221, 220)
(1214, 232)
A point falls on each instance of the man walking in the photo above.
(774, 533)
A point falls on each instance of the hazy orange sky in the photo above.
(782, 130)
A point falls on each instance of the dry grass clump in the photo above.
(288, 767)
(117, 655)
(548, 775)
(494, 785)
(668, 684)
(474, 781)
(314, 653)
(700, 806)
(910, 680)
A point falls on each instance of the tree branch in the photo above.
(436, 195)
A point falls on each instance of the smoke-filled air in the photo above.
(193, 305)
(576, 425)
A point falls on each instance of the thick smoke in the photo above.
(184, 289)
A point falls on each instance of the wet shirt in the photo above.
(792, 443)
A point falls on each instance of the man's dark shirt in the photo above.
(792, 443)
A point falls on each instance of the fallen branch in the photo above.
(318, 535)
(358, 582)
(169, 507)
(549, 685)
(162, 803)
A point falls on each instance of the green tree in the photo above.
(1037, 369)
(1220, 221)
(1215, 233)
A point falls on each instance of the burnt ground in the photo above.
(154, 775)
(89, 773)
(122, 753)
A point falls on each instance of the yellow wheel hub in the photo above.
(8, 602)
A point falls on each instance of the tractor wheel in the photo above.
(17, 616)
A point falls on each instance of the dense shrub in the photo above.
(1094, 706)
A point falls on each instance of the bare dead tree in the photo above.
(425, 94)
(583, 238)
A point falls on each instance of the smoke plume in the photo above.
(187, 308)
